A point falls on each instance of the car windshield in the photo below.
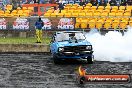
(69, 36)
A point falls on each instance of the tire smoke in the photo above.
(113, 46)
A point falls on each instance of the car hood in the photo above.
(68, 43)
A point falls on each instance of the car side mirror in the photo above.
(52, 41)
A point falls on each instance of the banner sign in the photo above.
(47, 23)
(66, 23)
(21, 23)
(58, 23)
(29, 23)
(3, 23)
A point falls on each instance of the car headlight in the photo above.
(88, 47)
(61, 49)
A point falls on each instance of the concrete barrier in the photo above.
(23, 34)
(31, 48)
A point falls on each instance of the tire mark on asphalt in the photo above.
(40, 71)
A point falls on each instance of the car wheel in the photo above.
(56, 60)
(90, 60)
(82, 80)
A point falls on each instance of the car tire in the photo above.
(90, 60)
(82, 80)
(55, 59)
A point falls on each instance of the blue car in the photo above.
(70, 45)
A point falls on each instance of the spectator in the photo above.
(62, 1)
(61, 6)
(102, 3)
(87, 1)
(1, 4)
(32, 2)
(113, 3)
(118, 2)
(53, 1)
(24, 1)
(94, 2)
(42, 1)
(19, 3)
(29, 1)
(3, 7)
(36, 1)
(4, 2)
(129, 2)
(126, 2)
(38, 26)
(82, 3)
(123, 2)
(15, 4)
(55, 8)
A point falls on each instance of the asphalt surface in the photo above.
(39, 71)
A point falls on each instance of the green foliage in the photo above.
(22, 40)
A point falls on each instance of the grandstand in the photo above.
(87, 16)
(16, 13)
(95, 16)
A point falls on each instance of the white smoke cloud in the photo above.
(113, 46)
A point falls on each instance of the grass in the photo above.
(18, 40)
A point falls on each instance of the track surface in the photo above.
(39, 71)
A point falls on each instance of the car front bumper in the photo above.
(74, 55)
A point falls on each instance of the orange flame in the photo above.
(81, 71)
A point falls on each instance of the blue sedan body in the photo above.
(71, 50)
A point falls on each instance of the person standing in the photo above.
(113, 3)
(103, 3)
(60, 5)
(14, 4)
(36, 1)
(129, 2)
(38, 27)
(82, 3)
(124, 2)
(94, 2)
